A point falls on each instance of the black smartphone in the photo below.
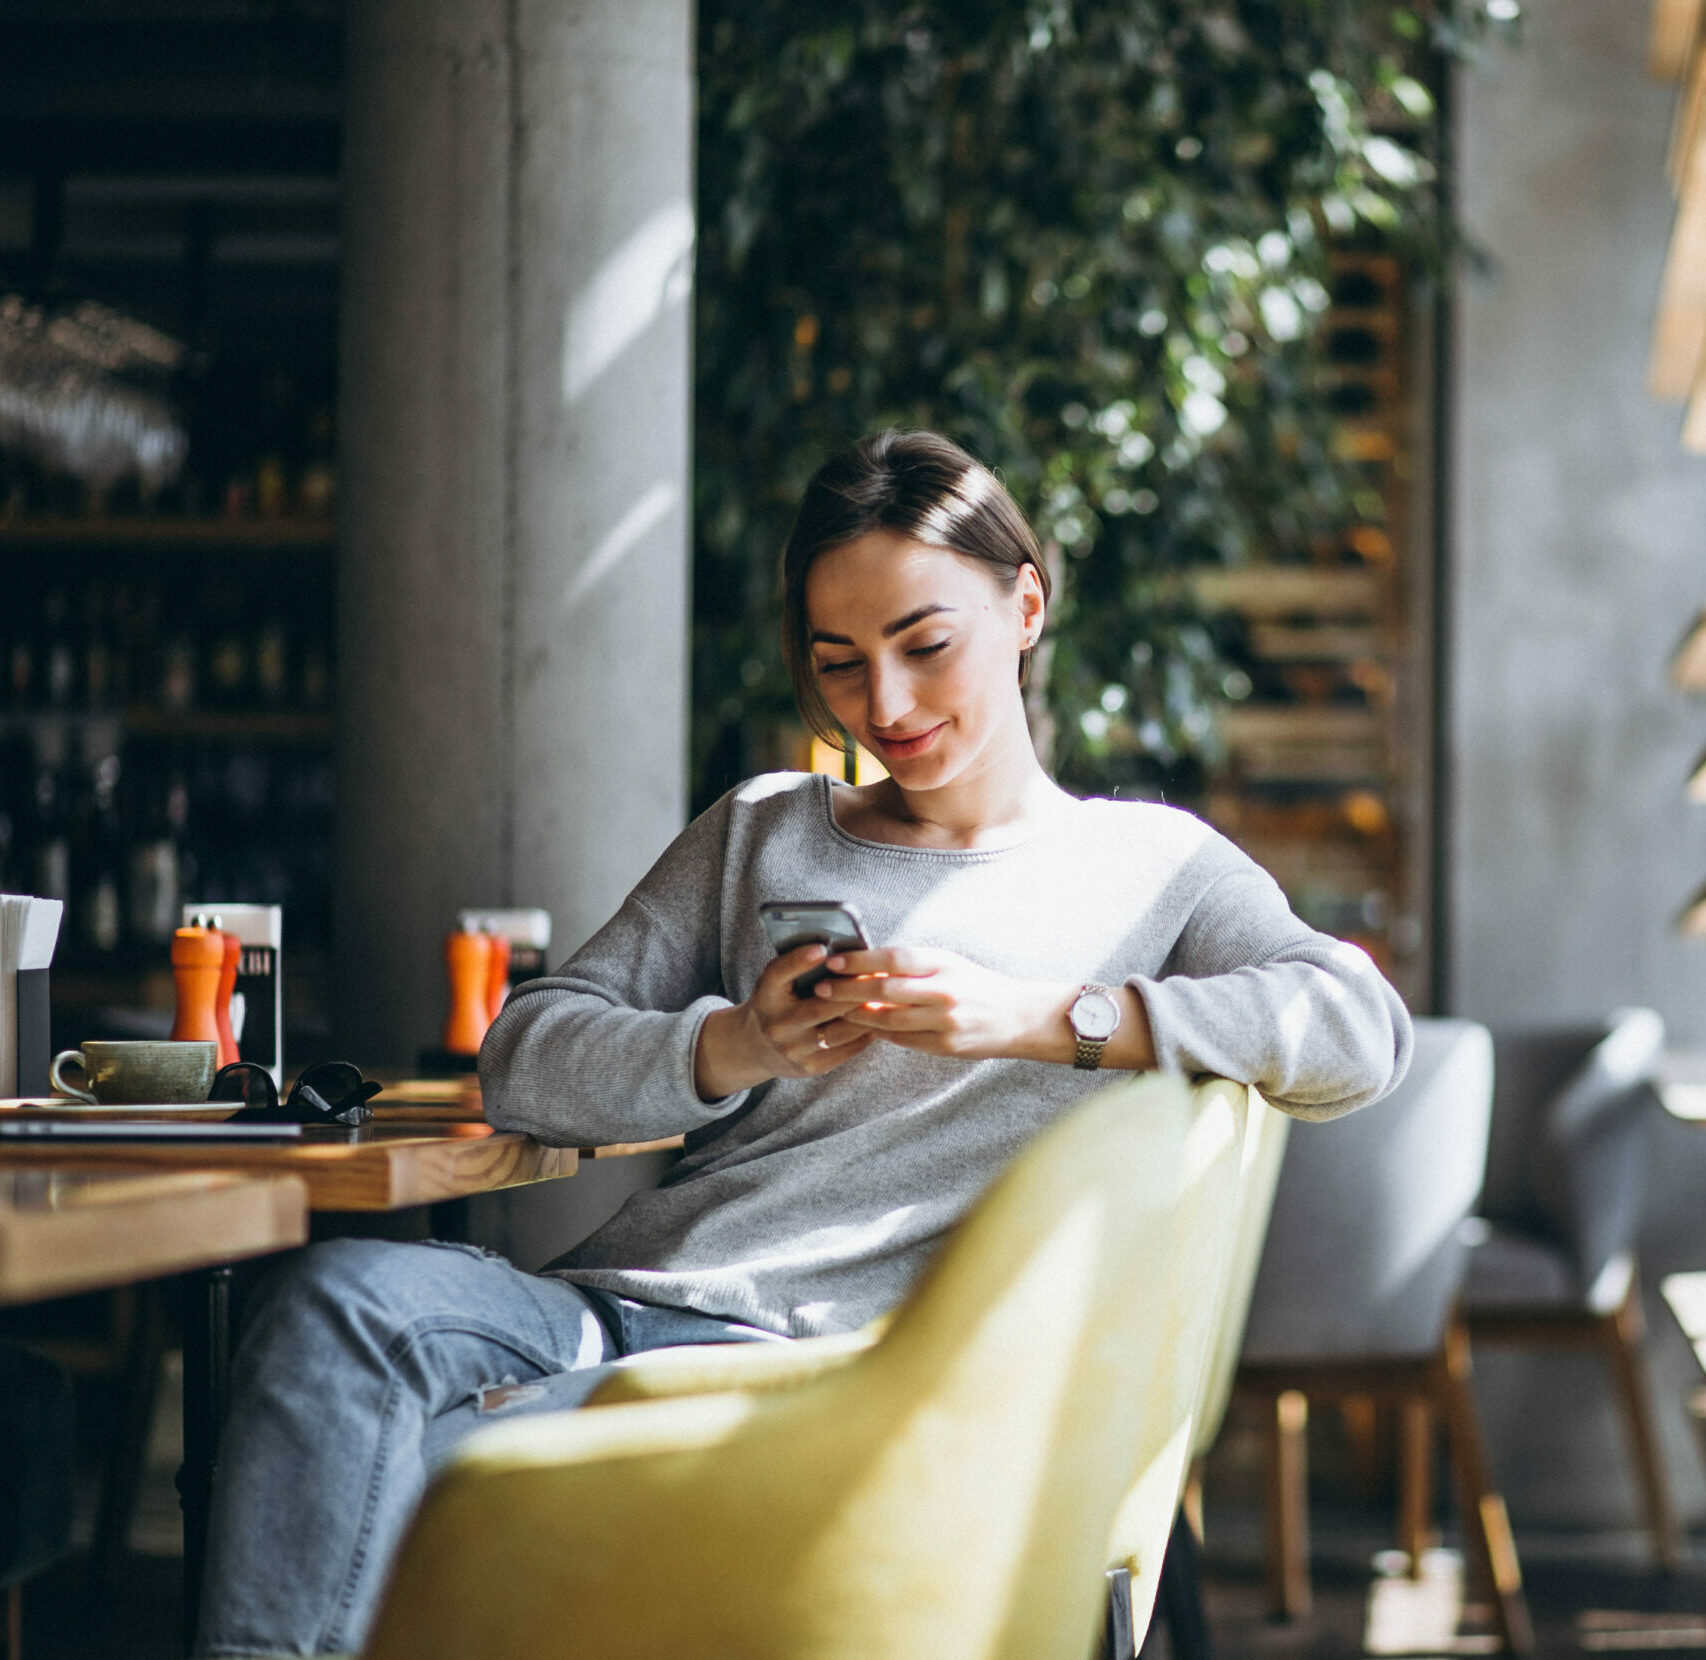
(828, 922)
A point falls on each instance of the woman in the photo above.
(1021, 941)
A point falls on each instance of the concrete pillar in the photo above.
(1577, 540)
(513, 570)
(1576, 565)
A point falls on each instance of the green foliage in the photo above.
(1089, 239)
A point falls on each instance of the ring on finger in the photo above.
(822, 1041)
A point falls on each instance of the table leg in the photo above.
(207, 1383)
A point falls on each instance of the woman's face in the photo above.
(916, 651)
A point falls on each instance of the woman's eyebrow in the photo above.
(898, 626)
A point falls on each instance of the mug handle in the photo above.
(75, 1057)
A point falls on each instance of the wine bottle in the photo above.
(57, 655)
(51, 827)
(97, 858)
(97, 648)
(156, 888)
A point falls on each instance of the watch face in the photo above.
(1095, 1015)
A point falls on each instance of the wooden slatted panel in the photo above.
(1681, 327)
(1673, 28)
(1281, 590)
(1679, 334)
(1694, 422)
(1688, 666)
(1690, 104)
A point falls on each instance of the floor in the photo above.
(1589, 1594)
(1586, 1595)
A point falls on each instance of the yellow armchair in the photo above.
(946, 1488)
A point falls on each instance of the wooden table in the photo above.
(64, 1231)
(382, 1166)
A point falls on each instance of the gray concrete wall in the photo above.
(513, 571)
(1578, 557)
(1579, 552)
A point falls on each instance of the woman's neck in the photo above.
(992, 806)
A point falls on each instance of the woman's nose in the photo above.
(888, 697)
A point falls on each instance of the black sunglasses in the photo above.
(332, 1093)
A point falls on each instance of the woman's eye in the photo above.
(844, 667)
(928, 651)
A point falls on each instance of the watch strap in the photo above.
(1087, 1054)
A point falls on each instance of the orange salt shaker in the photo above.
(198, 961)
(467, 958)
(497, 975)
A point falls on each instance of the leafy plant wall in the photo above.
(1089, 240)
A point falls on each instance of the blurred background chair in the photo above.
(1355, 1299)
(35, 1476)
(1574, 1112)
(946, 1488)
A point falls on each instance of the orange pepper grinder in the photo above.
(198, 960)
(467, 957)
(227, 984)
(497, 975)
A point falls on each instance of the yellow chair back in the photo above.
(948, 1492)
(1265, 1136)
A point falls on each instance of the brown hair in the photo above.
(918, 485)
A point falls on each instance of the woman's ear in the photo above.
(1033, 608)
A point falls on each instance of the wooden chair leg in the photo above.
(1289, 1593)
(1363, 1421)
(1190, 1502)
(1623, 1334)
(1415, 1480)
(1486, 1525)
(15, 1622)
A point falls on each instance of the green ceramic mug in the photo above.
(138, 1072)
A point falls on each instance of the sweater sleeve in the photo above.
(1252, 994)
(602, 1050)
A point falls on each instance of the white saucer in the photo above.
(208, 1111)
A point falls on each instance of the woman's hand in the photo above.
(941, 1004)
(774, 1034)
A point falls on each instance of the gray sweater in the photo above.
(807, 1206)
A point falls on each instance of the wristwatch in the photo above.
(1094, 1017)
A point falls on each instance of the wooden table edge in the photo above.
(626, 1149)
(64, 1252)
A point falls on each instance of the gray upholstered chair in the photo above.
(1574, 1110)
(1356, 1298)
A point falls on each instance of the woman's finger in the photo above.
(855, 992)
(837, 1035)
(797, 961)
(889, 960)
(826, 1048)
(839, 1054)
(906, 1017)
(776, 983)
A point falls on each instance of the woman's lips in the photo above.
(903, 748)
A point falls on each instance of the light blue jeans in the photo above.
(362, 1364)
